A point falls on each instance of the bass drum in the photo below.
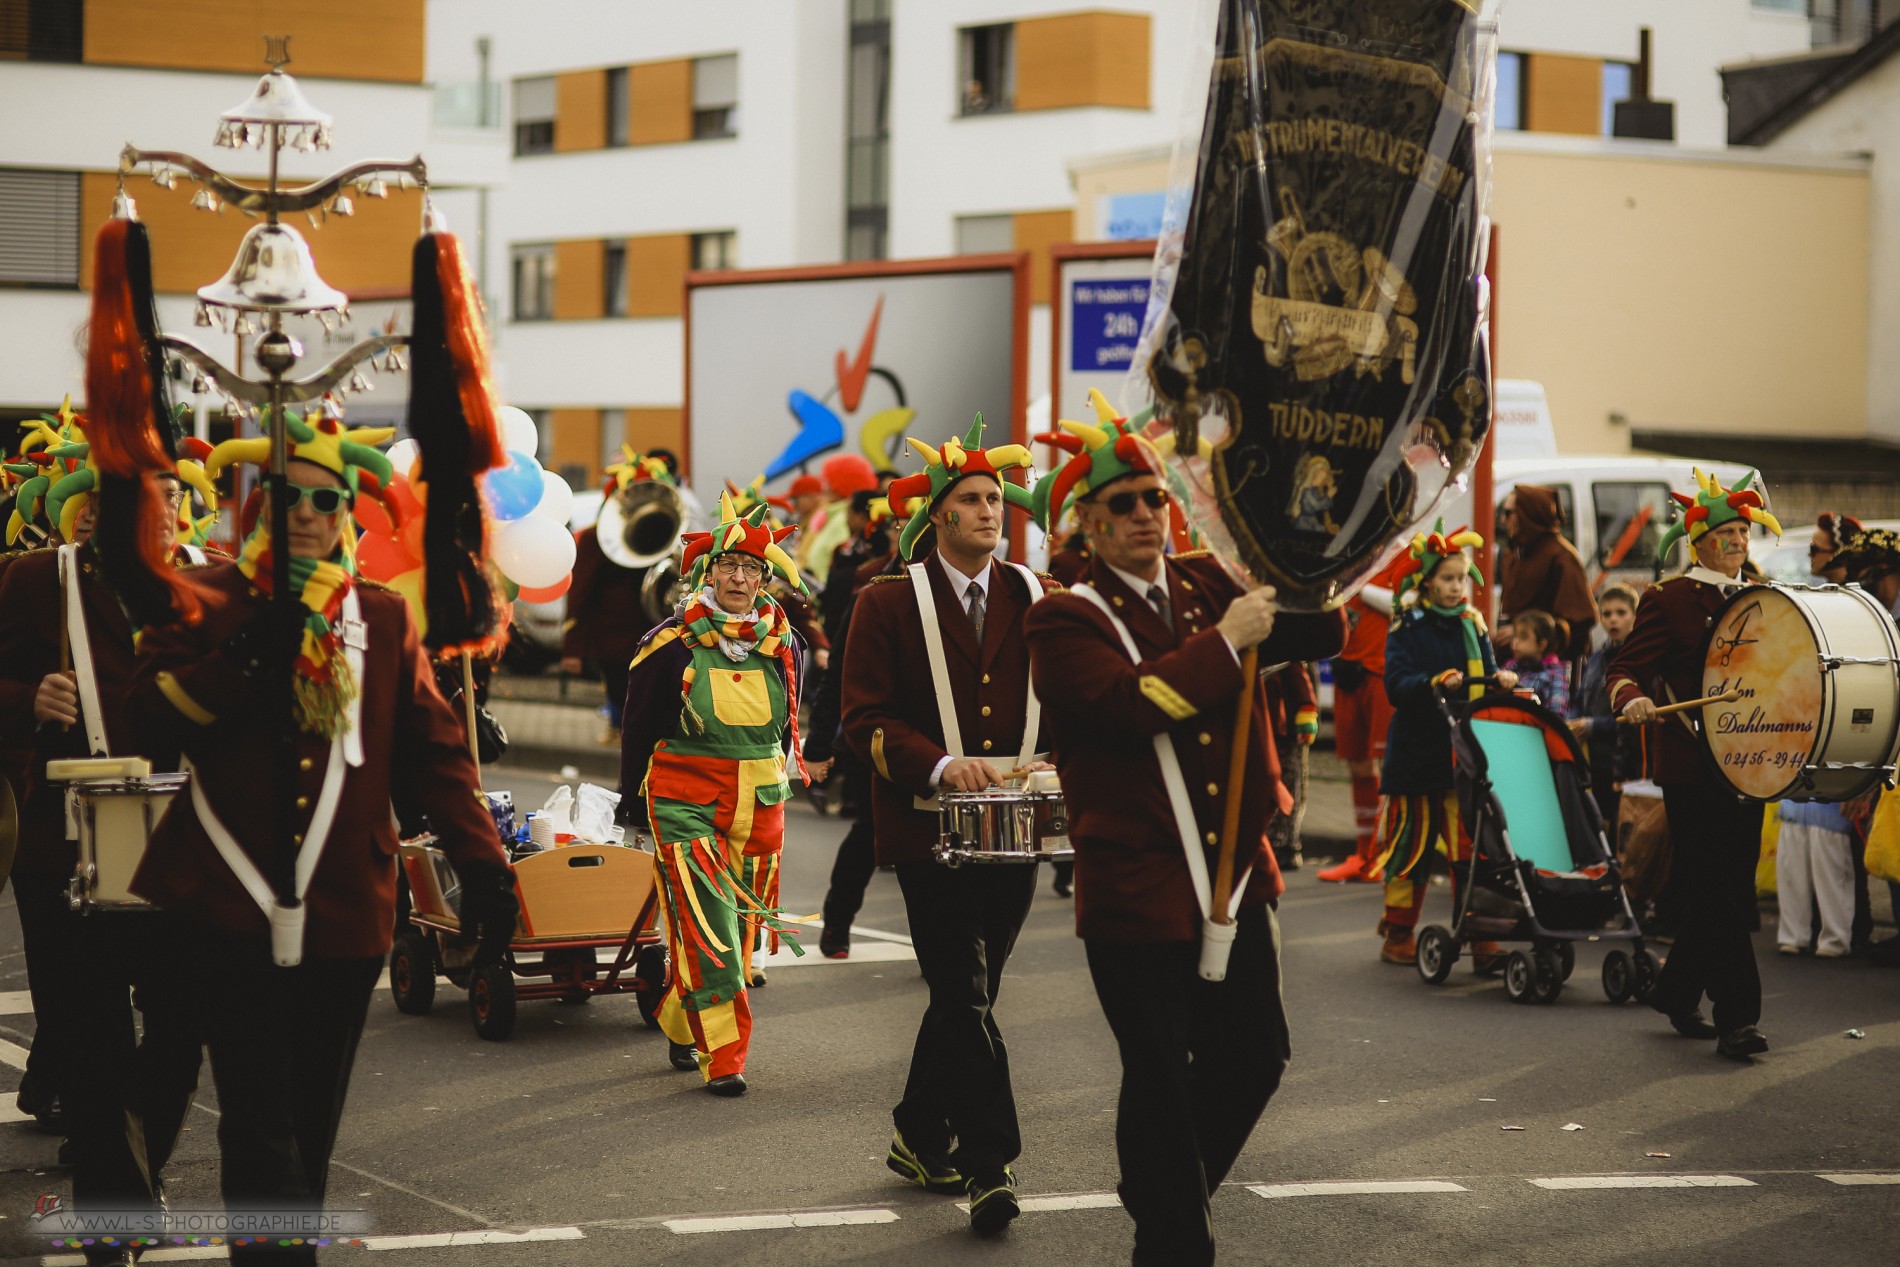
(1818, 670)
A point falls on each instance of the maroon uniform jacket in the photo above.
(604, 620)
(187, 696)
(32, 613)
(890, 715)
(1664, 653)
(1131, 880)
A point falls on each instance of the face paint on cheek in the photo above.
(953, 519)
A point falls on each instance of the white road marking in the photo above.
(1079, 1201)
(12, 1054)
(15, 1002)
(1580, 1183)
(485, 1236)
(1851, 1181)
(861, 952)
(1274, 1190)
(769, 1222)
(9, 1112)
(170, 1254)
(878, 934)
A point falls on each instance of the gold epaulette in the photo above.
(658, 640)
(1050, 585)
(882, 577)
(364, 582)
(1192, 554)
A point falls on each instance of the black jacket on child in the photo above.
(1422, 644)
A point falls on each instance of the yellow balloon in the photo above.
(409, 585)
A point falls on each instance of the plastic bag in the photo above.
(557, 812)
(594, 815)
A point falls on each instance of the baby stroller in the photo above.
(1541, 870)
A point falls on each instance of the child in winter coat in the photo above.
(1536, 638)
(1437, 641)
(1615, 751)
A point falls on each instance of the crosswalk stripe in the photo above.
(484, 1236)
(1582, 1183)
(1276, 1190)
(1851, 1181)
(770, 1222)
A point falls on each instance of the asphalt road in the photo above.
(573, 1142)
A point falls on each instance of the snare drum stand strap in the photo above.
(88, 681)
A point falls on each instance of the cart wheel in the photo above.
(1550, 974)
(1619, 977)
(1648, 968)
(1567, 958)
(1437, 953)
(1520, 978)
(651, 967)
(412, 973)
(491, 1002)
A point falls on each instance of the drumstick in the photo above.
(1727, 697)
(1236, 769)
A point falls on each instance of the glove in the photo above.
(489, 910)
(1306, 725)
(272, 637)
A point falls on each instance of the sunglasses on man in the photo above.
(327, 500)
(1124, 503)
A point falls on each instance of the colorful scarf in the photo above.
(1473, 626)
(765, 630)
(323, 684)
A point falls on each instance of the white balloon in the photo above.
(403, 454)
(518, 432)
(533, 552)
(557, 499)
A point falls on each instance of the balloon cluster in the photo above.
(529, 542)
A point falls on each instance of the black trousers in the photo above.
(1200, 1060)
(963, 924)
(1715, 842)
(856, 863)
(282, 1043)
(125, 1095)
(46, 937)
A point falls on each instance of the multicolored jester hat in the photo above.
(1712, 506)
(1111, 448)
(739, 532)
(944, 467)
(58, 476)
(1427, 551)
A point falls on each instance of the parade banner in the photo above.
(1324, 305)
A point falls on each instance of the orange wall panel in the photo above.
(580, 280)
(1565, 94)
(1095, 58)
(339, 39)
(368, 252)
(649, 429)
(660, 100)
(574, 440)
(580, 111)
(1036, 232)
(656, 274)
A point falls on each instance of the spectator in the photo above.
(1614, 758)
(1814, 867)
(1536, 639)
(1542, 570)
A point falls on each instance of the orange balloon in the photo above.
(381, 557)
(546, 593)
(372, 518)
(411, 535)
(403, 497)
(409, 585)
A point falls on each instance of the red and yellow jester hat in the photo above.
(739, 533)
(1712, 506)
(944, 467)
(753, 495)
(1427, 551)
(633, 468)
(1111, 447)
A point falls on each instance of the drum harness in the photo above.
(1175, 782)
(923, 591)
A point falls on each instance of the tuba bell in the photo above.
(640, 524)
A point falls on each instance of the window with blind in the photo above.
(39, 228)
(533, 268)
(716, 250)
(42, 30)
(534, 115)
(715, 97)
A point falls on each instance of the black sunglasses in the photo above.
(325, 501)
(1124, 503)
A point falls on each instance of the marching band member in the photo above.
(711, 721)
(1199, 1059)
(370, 725)
(936, 697)
(1715, 835)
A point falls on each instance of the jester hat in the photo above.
(633, 468)
(739, 532)
(56, 472)
(1104, 451)
(1427, 551)
(945, 467)
(324, 441)
(746, 500)
(1712, 506)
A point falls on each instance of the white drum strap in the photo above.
(82, 652)
(922, 591)
(1176, 784)
(321, 820)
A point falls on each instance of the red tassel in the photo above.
(468, 348)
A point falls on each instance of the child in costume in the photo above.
(1437, 641)
(1615, 753)
(1536, 639)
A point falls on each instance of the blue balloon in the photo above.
(515, 489)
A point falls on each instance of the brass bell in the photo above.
(273, 272)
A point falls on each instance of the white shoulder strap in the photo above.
(1173, 780)
(1032, 714)
(921, 590)
(82, 652)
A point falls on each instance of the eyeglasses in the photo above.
(727, 565)
(1814, 550)
(1124, 503)
(327, 500)
(174, 497)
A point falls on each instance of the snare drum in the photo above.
(115, 818)
(1819, 673)
(1002, 825)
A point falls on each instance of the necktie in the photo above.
(1159, 597)
(976, 611)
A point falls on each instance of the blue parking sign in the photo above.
(1105, 317)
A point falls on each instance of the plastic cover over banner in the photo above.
(1319, 299)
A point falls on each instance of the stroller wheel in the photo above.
(1437, 953)
(1550, 974)
(1567, 958)
(1647, 969)
(1520, 978)
(1619, 977)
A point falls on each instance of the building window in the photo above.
(613, 434)
(715, 97)
(1619, 78)
(1838, 23)
(868, 131)
(39, 228)
(534, 115)
(618, 117)
(986, 69)
(1513, 81)
(716, 250)
(613, 274)
(42, 30)
(985, 235)
(533, 283)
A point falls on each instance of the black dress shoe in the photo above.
(993, 1203)
(729, 1085)
(929, 1170)
(1692, 1024)
(1741, 1044)
(682, 1056)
